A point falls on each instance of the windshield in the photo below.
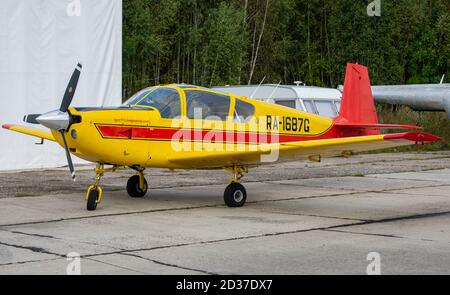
(138, 96)
(165, 100)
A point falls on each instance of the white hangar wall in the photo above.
(41, 41)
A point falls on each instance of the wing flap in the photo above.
(30, 131)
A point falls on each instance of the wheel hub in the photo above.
(238, 196)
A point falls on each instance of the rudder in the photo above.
(357, 105)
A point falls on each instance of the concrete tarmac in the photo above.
(300, 218)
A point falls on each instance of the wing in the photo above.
(30, 131)
(300, 150)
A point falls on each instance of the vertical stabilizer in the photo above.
(357, 106)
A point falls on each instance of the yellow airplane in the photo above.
(190, 127)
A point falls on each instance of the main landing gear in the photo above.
(136, 186)
(235, 194)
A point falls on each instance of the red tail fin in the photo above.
(357, 106)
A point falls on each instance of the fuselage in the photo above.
(134, 135)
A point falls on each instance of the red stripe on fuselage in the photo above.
(214, 136)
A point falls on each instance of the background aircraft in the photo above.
(160, 127)
(419, 97)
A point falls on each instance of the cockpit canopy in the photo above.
(201, 103)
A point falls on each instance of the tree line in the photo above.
(216, 42)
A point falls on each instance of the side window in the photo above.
(309, 106)
(165, 100)
(338, 105)
(286, 103)
(243, 111)
(325, 108)
(211, 105)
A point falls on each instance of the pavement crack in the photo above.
(365, 234)
(32, 248)
(168, 264)
(115, 265)
(321, 216)
(30, 234)
(28, 261)
(409, 217)
(110, 214)
(404, 179)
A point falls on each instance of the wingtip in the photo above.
(6, 126)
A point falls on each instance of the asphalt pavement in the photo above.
(300, 218)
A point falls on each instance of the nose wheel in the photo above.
(94, 192)
(93, 197)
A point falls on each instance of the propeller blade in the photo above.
(31, 118)
(70, 90)
(69, 158)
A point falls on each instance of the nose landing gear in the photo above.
(95, 192)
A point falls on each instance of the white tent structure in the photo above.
(41, 42)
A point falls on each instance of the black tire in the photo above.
(133, 187)
(92, 200)
(235, 195)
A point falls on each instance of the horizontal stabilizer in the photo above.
(375, 125)
(418, 137)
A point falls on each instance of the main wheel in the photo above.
(92, 198)
(133, 188)
(235, 195)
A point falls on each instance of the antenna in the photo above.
(274, 90)
(260, 83)
(442, 80)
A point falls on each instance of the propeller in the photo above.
(70, 90)
(69, 158)
(60, 119)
